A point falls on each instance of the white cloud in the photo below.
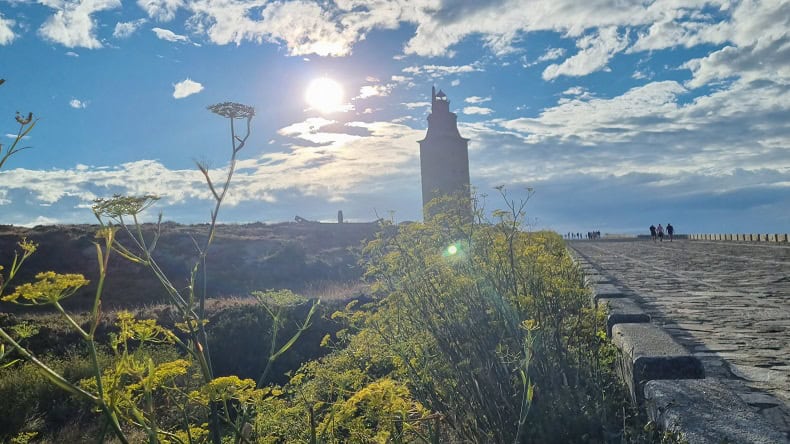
(78, 104)
(670, 33)
(302, 26)
(469, 110)
(342, 162)
(596, 120)
(437, 71)
(412, 105)
(643, 74)
(759, 49)
(170, 36)
(134, 178)
(550, 54)
(574, 91)
(40, 220)
(733, 128)
(595, 51)
(374, 90)
(186, 88)
(161, 10)
(72, 25)
(6, 30)
(579, 91)
(503, 22)
(72, 54)
(306, 28)
(477, 99)
(332, 28)
(126, 29)
(326, 159)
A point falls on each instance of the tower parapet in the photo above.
(444, 154)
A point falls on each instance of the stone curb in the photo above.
(605, 291)
(648, 353)
(705, 411)
(668, 383)
(621, 311)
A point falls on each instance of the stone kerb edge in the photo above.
(621, 311)
(705, 411)
(647, 377)
(648, 353)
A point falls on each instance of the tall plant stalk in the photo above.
(190, 304)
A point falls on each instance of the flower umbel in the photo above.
(232, 110)
(119, 206)
(49, 288)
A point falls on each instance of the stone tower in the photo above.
(444, 155)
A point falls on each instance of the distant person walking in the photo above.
(670, 231)
(660, 230)
(653, 232)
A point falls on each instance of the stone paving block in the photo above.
(622, 311)
(606, 291)
(594, 279)
(725, 301)
(649, 352)
(705, 411)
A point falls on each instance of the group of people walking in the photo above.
(658, 232)
(590, 235)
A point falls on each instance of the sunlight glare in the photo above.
(325, 95)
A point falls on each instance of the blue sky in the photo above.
(617, 114)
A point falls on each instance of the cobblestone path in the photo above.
(727, 302)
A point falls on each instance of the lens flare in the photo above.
(452, 249)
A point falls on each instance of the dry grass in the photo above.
(335, 291)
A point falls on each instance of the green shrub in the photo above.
(32, 403)
(486, 325)
(240, 335)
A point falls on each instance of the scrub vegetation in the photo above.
(472, 330)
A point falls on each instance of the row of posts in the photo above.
(741, 237)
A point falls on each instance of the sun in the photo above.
(325, 95)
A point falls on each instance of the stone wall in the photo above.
(741, 237)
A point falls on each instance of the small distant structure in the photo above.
(301, 220)
(444, 154)
(340, 216)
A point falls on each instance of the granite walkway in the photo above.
(728, 303)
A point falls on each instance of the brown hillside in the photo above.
(243, 258)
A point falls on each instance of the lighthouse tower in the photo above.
(444, 154)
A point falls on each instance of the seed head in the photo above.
(24, 120)
(232, 110)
